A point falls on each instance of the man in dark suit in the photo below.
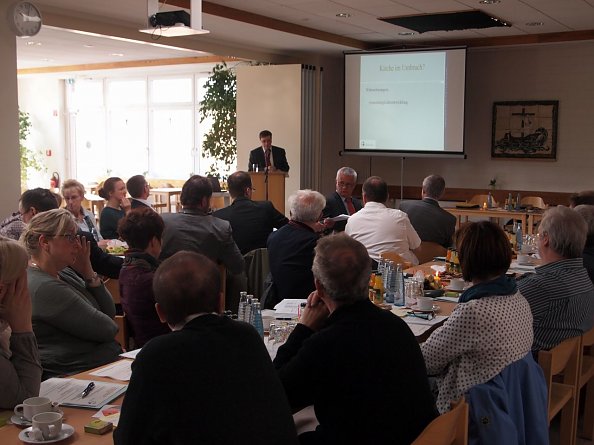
(352, 360)
(139, 190)
(268, 156)
(341, 202)
(431, 222)
(251, 221)
(211, 379)
(195, 229)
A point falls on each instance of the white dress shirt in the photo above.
(381, 229)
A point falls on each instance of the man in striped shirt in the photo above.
(560, 292)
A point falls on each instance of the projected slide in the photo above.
(402, 101)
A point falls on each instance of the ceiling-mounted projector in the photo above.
(174, 23)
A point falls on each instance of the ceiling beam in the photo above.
(126, 64)
(279, 25)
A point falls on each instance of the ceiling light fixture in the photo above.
(534, 24)
(89, 46)
(406, 33)
(174, 23)
(343, 15)
(117, 54)
(489, 2)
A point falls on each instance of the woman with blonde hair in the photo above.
(72, 311)
(74, 193)
(114, 192)
(20, 371)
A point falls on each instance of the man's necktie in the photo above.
(267, 157)
(350, 206)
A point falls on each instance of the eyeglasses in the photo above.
(345, 184)
(69, 236)
(423, 315)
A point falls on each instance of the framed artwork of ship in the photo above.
(525, 129)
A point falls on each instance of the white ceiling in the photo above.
(59, 47)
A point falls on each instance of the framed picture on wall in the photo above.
(525, 129)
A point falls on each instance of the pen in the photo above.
(87, 390)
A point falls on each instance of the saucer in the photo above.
(435, 308)
(448, 288)
(20, 421)
(67, 431)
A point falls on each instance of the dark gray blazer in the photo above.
(431, 222)
(198, 232)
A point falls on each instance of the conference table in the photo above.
(165, 195)
(79, 417)
(526, 217)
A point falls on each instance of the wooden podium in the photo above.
(269, 187)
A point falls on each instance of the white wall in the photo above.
(563, 72)
(43, 98)
(10, 177)
(269, 98)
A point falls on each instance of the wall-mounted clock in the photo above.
(25, 19)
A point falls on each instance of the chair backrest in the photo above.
(223, 272)
(429, 250)
(563, 358)
(450, 428)
(481, 199)
(535, 201)
(388, 255)
(113, 286)
(123, 336)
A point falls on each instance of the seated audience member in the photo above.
(291, 248)
(72, 316)
(139, 190)
(430, 221)
(211, 380)
(142, 229)
(341, 202)
(114, 192)
(582, 198)
(251, 221)
(32, 202)
(587, 212)
(74, 193)
(196, 230)
(490, 328)
(381, 229)
(352, 360)
(560, 292)
(20, 371)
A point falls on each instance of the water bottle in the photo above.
(248, 309)
(518, 202)
(509, 202)
(519, 238)
(399, 299)
(489, 201)
(242, 304)
(389, 281)
(256, 317)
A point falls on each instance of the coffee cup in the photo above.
(425, 303)
(524, 259)
(50, 425)
(456, 284)
(34, 405)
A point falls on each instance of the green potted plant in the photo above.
(29, 158)
(219, 102)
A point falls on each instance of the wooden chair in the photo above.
(113, 286)
(450, 428)
(586, 379)
(429, 250)
(388, 255)
(481, 199)
(123, 336)
(535, 201)
(563, 359)
(217, 202)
